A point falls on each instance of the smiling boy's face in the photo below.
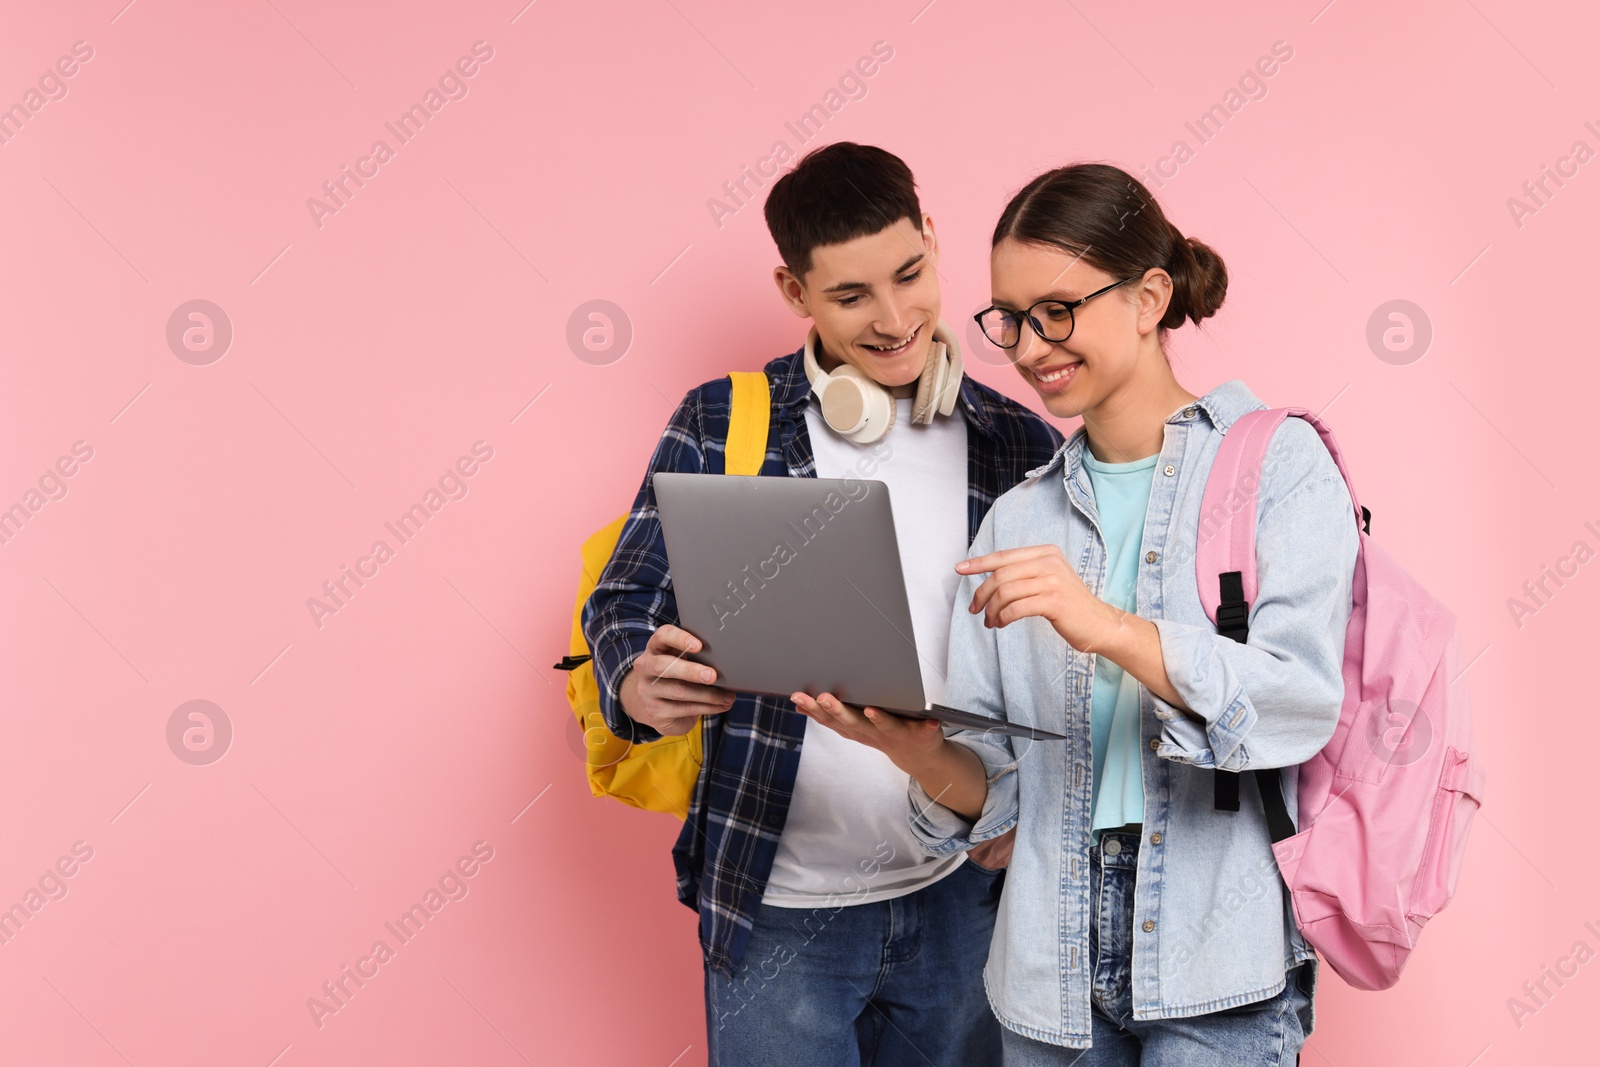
(874, 300)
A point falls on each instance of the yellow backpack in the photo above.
(654, 775)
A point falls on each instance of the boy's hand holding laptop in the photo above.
(668, 692)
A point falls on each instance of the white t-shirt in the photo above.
(847, 839)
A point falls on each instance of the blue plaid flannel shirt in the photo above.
(723, 855)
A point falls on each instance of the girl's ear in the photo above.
(1154, 295)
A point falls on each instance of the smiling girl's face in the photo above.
(1114, 335)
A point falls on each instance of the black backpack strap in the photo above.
(1233, 614)
(1225, 791)
(1233, 620)
(1270, 783)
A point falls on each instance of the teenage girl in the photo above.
(1138, 921)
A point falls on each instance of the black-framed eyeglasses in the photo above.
(1003, 326)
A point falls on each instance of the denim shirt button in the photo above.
(1154, 743)
(1169, 470)
(1149, 925)
(1155, 838)
(1151, 557)
(1188, 413)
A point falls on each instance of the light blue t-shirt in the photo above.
(1121, 496)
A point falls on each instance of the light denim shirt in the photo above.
(1212, 924)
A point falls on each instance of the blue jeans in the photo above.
(892, 983)
(1267, 1033)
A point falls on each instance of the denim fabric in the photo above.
(892, 983)
(1212, 923)
(1264, 1033)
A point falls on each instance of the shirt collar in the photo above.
(1224, 404)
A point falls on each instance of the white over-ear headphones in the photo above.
(862, 411)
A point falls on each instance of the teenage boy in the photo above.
(829, 937)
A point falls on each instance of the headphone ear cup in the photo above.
(856, 406)
(843, 405)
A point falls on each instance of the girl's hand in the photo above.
(909, 743)
(1038, 581)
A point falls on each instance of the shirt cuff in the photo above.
(1212, 732)
(940, 831)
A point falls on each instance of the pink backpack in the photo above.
(1385, 807)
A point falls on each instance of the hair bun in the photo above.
(1199, 281)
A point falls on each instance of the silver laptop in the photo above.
(794, 585)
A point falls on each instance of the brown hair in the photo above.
(1106, 216)
(836, 194)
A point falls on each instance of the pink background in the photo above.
(428, 313)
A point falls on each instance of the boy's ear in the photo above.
(792, 291)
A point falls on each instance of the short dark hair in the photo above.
(836, 194)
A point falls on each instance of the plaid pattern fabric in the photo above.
(724, 853)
